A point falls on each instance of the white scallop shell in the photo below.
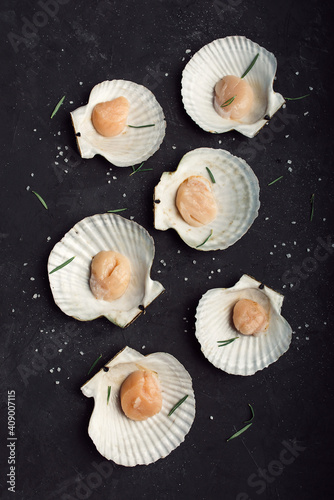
(236, 191)
(230, 56)
(248, 353)
(129, 442)
(70, 285)
(133, 145)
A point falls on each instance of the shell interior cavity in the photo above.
(247, 354)
(236, 190)
(70, 285)
(133, 145)
(128, 442)
(230, 56)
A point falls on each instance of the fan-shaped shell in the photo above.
(129, 442)
(247, 354)
(133, 145)
(70, 285)
(236, 190)
(230, 56)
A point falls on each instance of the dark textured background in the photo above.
(45, 355)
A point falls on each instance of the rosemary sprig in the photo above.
(142, 126)
(206, 239)
(273, 182)
(213, 180)
(228, 102)
(140, 169)
(179, 403)
(243, 429)
(62, 265)
(312, 207)
(250, 66)
(222, 343)
(40, 199)
(116, 210)
(57, 106)
(94, 364)
(109, 391)
(296, 98)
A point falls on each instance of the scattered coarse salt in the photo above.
(287, 136)
(32, 279)
(51, 370)
(311, 88)
(124, 195)
(185, 279)
(48, 238)
(35, 296)
(58, 369)
(194, 261)
(143, 346)
(166, 74)
(188, 51)
(28, 188)
(288, 255)
(290, 169)
(306, 113)
(114, 177)
(289, 162)
(173, 147)
(57, 382)
(60, 350)
(80, 352)
(80, 83)
(211, 417)
(297, 73)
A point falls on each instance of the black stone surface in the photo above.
(66, 51)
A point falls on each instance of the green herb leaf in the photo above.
(239, 432)
(142, 126)
(228, 102)
(250, 66)
(222, 343)
(296, 98)
(109, 391)
(58, 106)
(62, 265)
(40, 199)
(251, 408)
(117, 210)
(140, 169)
(179, 403)
(206, 239)
(213, 180)
(94, 364)
(312, 207)
(273, 182)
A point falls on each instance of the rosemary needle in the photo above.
(62, 265)
(40, 199)
(213, 180)
(116, 210)
(239, 432)
(222, 343)
(57, 106)
(179, 403)
(250, 66)
(142, 126)
(109, 391)
(94, 364)
(206, 239)
(228, 102)
(273, 182)
(296, 98)
(312, 207)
